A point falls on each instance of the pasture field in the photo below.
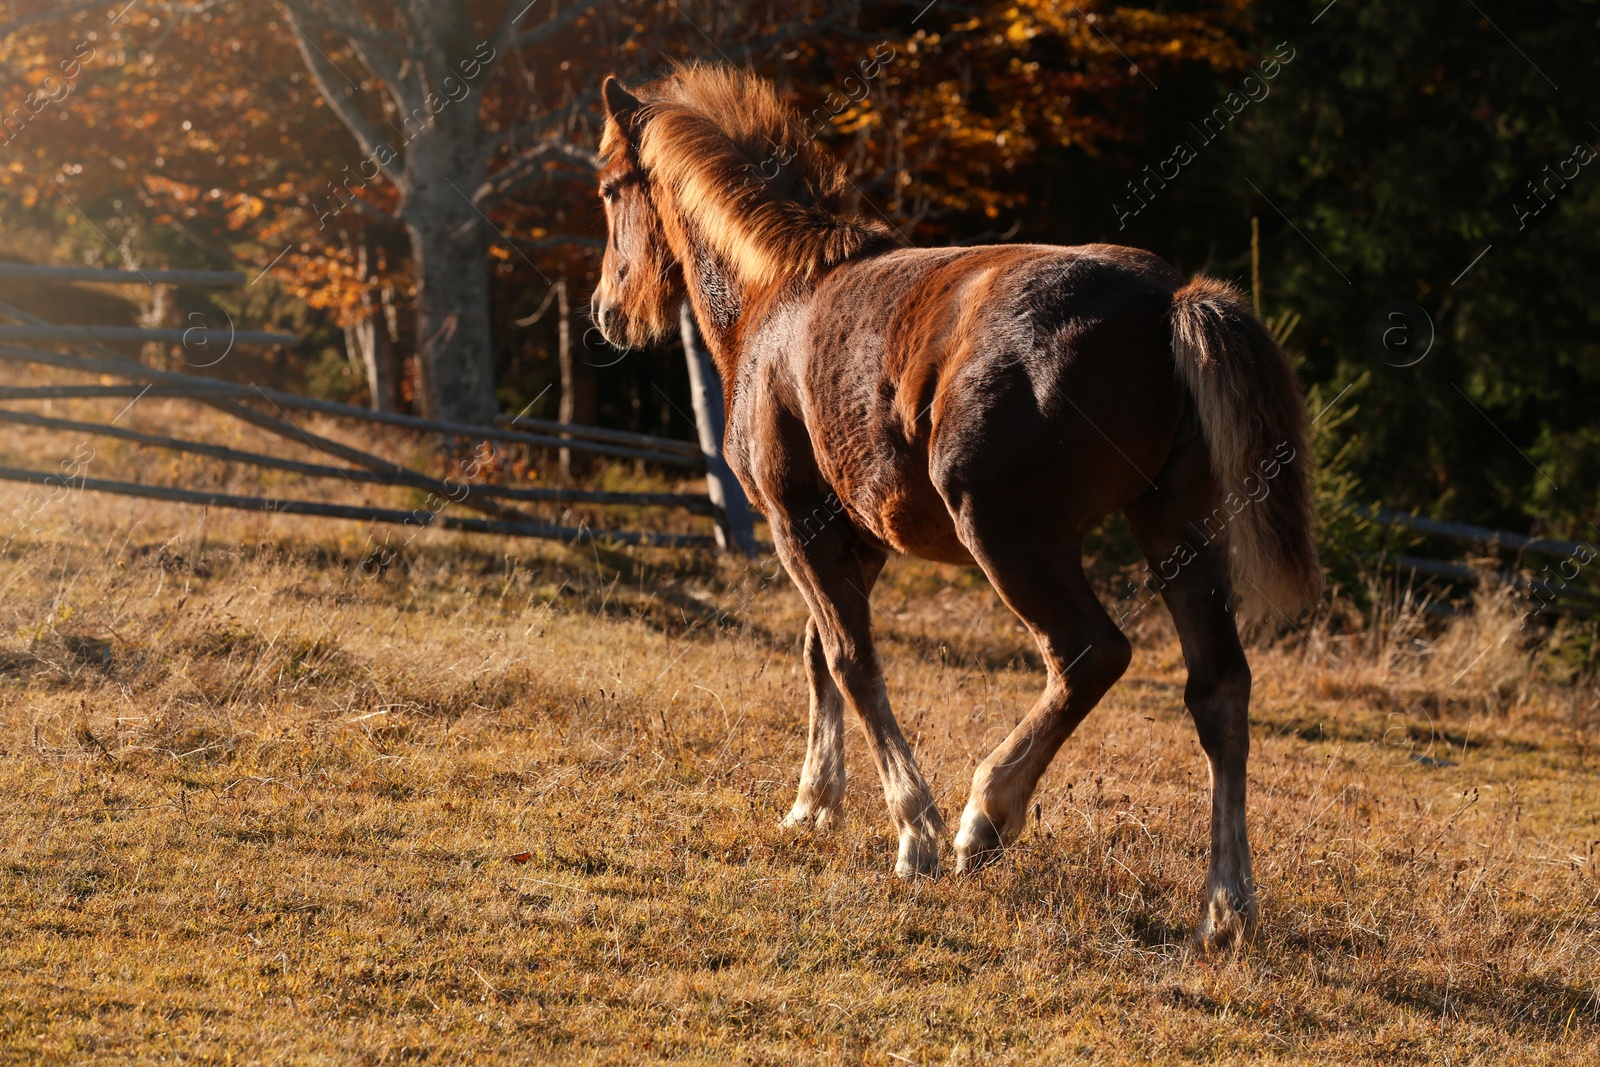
(518, 802)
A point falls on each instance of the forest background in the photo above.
(410, 184)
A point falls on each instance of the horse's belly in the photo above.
(906, 513)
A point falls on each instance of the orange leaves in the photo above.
(243, 209)
(160, 185)
(967, 102)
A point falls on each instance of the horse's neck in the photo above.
(724, 303)
(722, 333)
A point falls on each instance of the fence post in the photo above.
(735, 530)
(578, 384)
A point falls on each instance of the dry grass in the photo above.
(517, 802)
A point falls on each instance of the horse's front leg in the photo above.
(836, 573)
(854, 664)
(822, 778)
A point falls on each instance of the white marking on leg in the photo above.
(822, 778)
(1230, 905)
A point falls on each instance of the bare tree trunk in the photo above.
(368, 340)
(578, 385)
(451, 254)
(434, 60)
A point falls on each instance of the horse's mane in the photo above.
(741, 163)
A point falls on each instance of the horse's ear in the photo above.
(621, 105)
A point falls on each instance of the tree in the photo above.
(979, 122)
(1427, 152)
(179, 137)
(432, 60)
(477, 102)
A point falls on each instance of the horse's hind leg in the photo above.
(1042, 581)
(822, 778)
(1218, 690)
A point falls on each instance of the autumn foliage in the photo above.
(204, 135)
(320, 138)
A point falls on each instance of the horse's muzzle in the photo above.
(606, 320)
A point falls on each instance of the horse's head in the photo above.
(641, 282)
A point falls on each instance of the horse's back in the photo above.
(1019, 371)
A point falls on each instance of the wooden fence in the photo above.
(724, 501)
(1557, 594)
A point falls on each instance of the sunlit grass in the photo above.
(518, 802)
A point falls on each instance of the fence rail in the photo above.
(596, 433)
(699, 505)
(393, 516)
(1461, 531)
(213, 279)
(139, 335)
(569, 432)
(93, 357)
(1558, 595)
(210, 387)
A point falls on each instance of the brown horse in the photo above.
(983, 405)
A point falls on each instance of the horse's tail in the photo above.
(1253, 420)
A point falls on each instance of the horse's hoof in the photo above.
(1227, 923)
(978, 843)
(919, 854)
(804, 816)
(816, 804)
